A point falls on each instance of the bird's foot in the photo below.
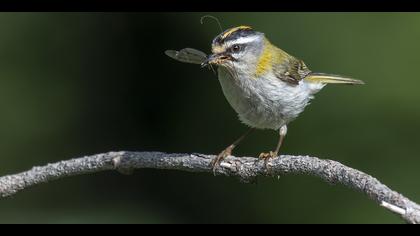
(266, 156)
(222, 155)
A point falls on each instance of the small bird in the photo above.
(266, 86)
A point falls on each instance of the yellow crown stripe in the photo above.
(231, 31)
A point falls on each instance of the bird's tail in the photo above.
(331, 79)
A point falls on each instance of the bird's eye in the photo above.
(236, 48)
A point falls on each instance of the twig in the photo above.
(245, 168)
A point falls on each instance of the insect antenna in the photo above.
(214, 18)
(212, 68)
(221, 30)
(233, 73)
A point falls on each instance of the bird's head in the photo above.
(239, 47)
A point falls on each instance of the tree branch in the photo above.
(245, 168)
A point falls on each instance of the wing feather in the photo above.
(291, 70)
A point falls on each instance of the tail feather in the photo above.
(331, 79)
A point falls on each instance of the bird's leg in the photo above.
(271, 154)
(228, 151)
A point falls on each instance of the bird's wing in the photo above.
(291, 70)
(187, 55)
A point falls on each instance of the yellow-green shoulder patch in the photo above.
(265, 60)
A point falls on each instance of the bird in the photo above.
(267, 87)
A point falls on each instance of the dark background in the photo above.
(74, 84)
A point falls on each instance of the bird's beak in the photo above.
(215, 59)
(211, 59)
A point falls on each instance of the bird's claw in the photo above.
(266, 156)
(222, 155)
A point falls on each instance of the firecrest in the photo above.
(266, 86)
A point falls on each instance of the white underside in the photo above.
(266, 102)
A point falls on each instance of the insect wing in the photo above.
(187, 55)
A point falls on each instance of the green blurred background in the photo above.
(74, 84)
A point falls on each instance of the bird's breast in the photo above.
(265, 102)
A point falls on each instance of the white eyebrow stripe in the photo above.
(243, 40)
